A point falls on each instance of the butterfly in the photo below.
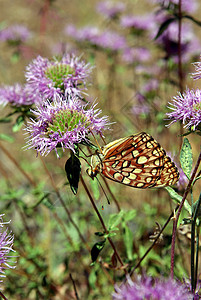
(137, 160)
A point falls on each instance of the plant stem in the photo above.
(193, 271)
(102, 222)
(197, 255)
(178, 214)
(74, 287)
(3, 297)
(17, 165)
(155, 241)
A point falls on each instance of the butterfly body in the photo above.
(138, 161)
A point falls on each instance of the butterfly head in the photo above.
(96, 166)
(91, 173)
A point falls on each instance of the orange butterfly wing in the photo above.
(138, 161)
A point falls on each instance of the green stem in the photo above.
(194, 269)
(102, 222)
(178, 214)
(197, 255)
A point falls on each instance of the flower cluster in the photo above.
(186, 5)
(47, 79)
(136, 55)
(63, 123)
(59, 77)
(6, 244)
(142, 22)
(17, 95)
(110, 9)
(15, 34)
(148, 288)
(110, 40)
(186, 108)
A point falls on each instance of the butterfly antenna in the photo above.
(103, 192)
(97, 142)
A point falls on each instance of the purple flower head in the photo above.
(186, 5)
(17, 95)
(85, 34)
(169, 39)
(143, 22)
(63, 123)
(136, 55)
(141, 108)
(59, 77)
(6, 244)
(148, 288)
(186, 107)
(107, 40)
(110, 9)
(15, 34)
(171, 33)
(110, 40)
(151, 85)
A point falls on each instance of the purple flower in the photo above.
(151, 85)
(141, 107)
(17, 95)
(6, 244)
(15, 33)
(110, 9)
(148, 288)
(63, 123)
(186, 107)
(142, 22)
(59, 77)
(136, 55)
(169, 41)
(186, 5)
(85, 34)
(171, 33)
(111, 40)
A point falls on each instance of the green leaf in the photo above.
(96, 249)
(186, 158)
(115, 219)
(178, 198)
(18, 124)
(6, 137)
(128, 241)
(130, 215)
(164, 26)
(99, 233)
(73, 169)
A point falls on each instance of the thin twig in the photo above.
(2, 295)
(74, 287)
(102, 222)
(17, 165)
(155, 241)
